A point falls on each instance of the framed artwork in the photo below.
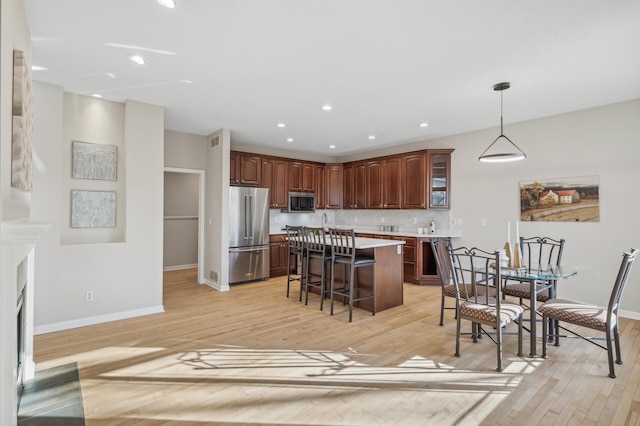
(560, 200)
(93, 209)
(22, 124)
(94, 161)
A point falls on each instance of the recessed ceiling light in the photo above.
(332, 147)
(137, 59)
(282, 125)
(37, 68)
(96, 95)
(327, 107)
(372, 137)
(424, 124)
(289, 140)
(168, 3)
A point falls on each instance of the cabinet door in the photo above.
(360, 185)
(392, 183)
(320, 188)
(348, 193)
(413, 181)
(275, 177)
(234, 168)
(295, 176)
(374, 186)
(309, 177)
(250, 170)
(439, 165)
(334, 186)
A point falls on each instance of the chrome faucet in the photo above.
(324, 220)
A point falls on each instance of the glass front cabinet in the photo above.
(439, 178)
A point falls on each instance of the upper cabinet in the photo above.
(275, 176)
(413, 180)
(439, 178)
(414, 176)
(245, 169)
(334, 186)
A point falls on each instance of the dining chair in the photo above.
(296, 251)
(440, 247)
(479, 270)
(343, 252)
(591, 316)
(536, 251)
(316, 248)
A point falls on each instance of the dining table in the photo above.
(537, 274)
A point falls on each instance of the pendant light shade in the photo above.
(502, 148)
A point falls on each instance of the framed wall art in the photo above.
(94, 161)
(93, 209)
(560, 200)
(22, 124)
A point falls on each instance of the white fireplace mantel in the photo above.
(19, 239)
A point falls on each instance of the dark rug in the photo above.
(52, 398)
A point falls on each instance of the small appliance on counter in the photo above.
(248, 234)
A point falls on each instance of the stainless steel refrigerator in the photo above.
(248, 234)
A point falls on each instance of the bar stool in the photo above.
(316, 248)
(295, 245)
(344, 253)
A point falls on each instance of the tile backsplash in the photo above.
(406, 220)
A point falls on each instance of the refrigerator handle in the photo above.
(250, 229)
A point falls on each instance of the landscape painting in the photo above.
(93, 209)
(560, 200)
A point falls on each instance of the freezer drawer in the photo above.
(248, 264)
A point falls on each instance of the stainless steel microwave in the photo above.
(302, 202)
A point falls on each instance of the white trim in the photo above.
(629, 314)
(201, 201)
(215, 285)
(179, 267)
(98, 319)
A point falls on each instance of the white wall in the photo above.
(126, 277)
(185, 150)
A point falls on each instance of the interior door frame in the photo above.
(201, 236)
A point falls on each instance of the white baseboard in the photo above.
(98, 319)
(216, 285)
(629, 314)
(178, 267)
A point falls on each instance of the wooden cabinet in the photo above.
(360, 185)
(320, 186)
(275, 176)
(374, 186)
(393, 187)
(348, 192)
(383, 185)
(295, 175)
(309, 177)
(426, 267)
(334, 186)
(278, 253)
(414, 173)
(245, 169)
(439, 178)
(408, 258)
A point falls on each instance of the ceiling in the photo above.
(385, 66)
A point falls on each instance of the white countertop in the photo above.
(366, 243)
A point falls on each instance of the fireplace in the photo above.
(21, 323)
(16, 314)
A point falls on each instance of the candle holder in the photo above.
(507, 251)
(517, 257)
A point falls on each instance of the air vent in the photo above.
(215, 141)
(213, 275)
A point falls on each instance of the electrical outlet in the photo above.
(355, 218)
(382, 219)
(459, 222)
(415, 220)
(483, 222)
(88, 296)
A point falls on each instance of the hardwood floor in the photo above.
(252, 356)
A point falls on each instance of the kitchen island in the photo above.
(388, 271)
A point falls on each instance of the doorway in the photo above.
(183, 220)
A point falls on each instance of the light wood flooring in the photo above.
(253, 356)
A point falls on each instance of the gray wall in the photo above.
(180, 220)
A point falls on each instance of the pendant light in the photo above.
(506, 150)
